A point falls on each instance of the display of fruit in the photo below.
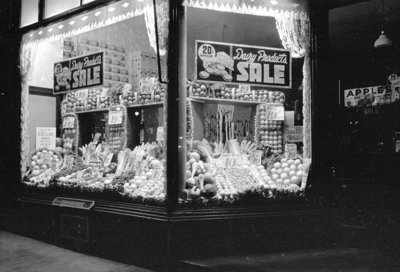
(272, 138)
(129, 98)
(114, 99)
(224, 186)
(80, 105)
(264, 179)
(146, 186)
(270, 124)
(226, 93)
(240, 178)
(93, 99)
(276, 97)
(159, 93)
(115, 139)
(43, 161)
(270, 131)
(68, 144)
(244, 96)
(104, 102)
(200, 90)
(144, 98)
(287, 173)
(261, 95)
(70, 101)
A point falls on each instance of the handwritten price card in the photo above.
(290, 151)
(115, 117)
(69, 122)
(275, 112)
(294, 134)
(255, 157)
(82, 94)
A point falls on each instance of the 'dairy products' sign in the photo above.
(371, 96)
(243, 64)
(77, 73)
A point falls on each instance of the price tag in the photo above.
(294, 134)
(69, 122)
(104, 92)
(68, 162)
(233, 161)
(255, 157)
(160, 134)
(82, 94)
(108, 160)
(47, 158)
(115, 117)
(79, 175)
(290, 151)
(275, 112)
(244, 89)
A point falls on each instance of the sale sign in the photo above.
(371, 96)
(243, 64)
(78, 73)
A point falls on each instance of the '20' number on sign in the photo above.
(206, 51)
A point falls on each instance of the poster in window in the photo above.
(243, 64)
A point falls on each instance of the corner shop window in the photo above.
(248, 101)
(101, 68)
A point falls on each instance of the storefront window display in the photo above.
(248, 101)
(94, 107)
(93, 102)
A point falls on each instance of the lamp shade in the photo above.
(382, 41)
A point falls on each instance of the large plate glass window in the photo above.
(248, 101)
(93, 107)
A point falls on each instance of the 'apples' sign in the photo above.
(243, 64)
(77, 73)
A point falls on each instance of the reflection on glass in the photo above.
(29, 12)
(54, 7)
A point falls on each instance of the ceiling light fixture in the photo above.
(84, 18)
(40, 32)
(72, 22)
(50, 29)
(274, 2)
(60, 26)
(125, 5)
(97, 13)
(383, 40)
(111, 9)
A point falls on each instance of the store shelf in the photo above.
(90, 111)
(223, 101)
(147, 105)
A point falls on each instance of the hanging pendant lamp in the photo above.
(383, 40)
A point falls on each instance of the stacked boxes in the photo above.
(143, 65)
(116, 70)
